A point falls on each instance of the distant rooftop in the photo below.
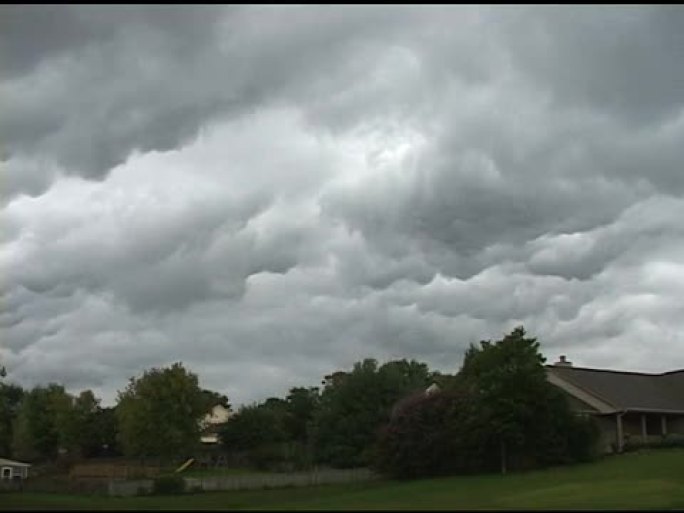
(627, 390)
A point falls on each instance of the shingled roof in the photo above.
(628, 390)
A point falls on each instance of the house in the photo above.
(626, 405)
(212, 422)
(12, 470)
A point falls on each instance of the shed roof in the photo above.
(12, 463)
(628, 390)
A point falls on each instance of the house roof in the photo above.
(13, 463)
(628, 390)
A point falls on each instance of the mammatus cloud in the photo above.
(272, 193)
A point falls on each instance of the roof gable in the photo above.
(12, 463)
(627, 390)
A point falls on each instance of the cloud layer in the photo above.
(272, 193)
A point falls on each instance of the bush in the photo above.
(168, 485)
(429, 436)
(668, 441)
(267, 457)
(450, 433)
(583, 438)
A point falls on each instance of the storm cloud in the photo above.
(271, 193)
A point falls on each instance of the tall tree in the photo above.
(10, 400)
(85, 413)
(498, 411)
(42, 425)
(107, 429)
(253, 426)
(301, 404)
(213, 398)
(355, 406)
(160, 412)
(509, 381)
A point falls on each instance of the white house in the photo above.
(10, 469)
(211, 423)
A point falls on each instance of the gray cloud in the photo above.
(273, 193)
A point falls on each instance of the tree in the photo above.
(258, 433)
(509, 379)
(214, 398)
(355, 405)
(86, 410)
(42, 426)
(159, 413)
(253, 426)
(10, 400)
(498, 411)
(107, 428)
(526, 418)
(430, 435)
(301, 404)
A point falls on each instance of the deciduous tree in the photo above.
(159, 413)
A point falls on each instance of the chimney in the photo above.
(562, 362)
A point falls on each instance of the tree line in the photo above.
(497, 412)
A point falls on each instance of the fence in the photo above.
(251, 481)
(113, 471)
(10, 485)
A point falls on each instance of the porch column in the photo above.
(643, 427)
(618, 418)
(663, 425)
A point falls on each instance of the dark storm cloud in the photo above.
(282, 191)
(620, 60)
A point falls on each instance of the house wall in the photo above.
(675, 424)
(15, 471)
(578, 405)
(218, 415)
(631, 424)
(608, 429)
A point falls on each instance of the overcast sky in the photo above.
(272, 193)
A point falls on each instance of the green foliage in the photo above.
(159, 413)
(10, 400)
(500, 410)
(49, 419)
(168, 485)
(509, 383)
(107, 430)
(669, 441)
(251, 427)
(42, 424)
(212, 399)
(301, 404)
(353, 407)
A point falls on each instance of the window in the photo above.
(6, 473)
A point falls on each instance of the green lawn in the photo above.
(648, 480)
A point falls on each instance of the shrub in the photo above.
(168, 485)
(668, 441)
(452, 433)
(264, 457)
(583, 438)
(428, 436)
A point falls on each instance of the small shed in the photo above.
(10, 469)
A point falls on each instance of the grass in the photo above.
(645, 480)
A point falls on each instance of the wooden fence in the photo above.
(250, 481)
(112, 471)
